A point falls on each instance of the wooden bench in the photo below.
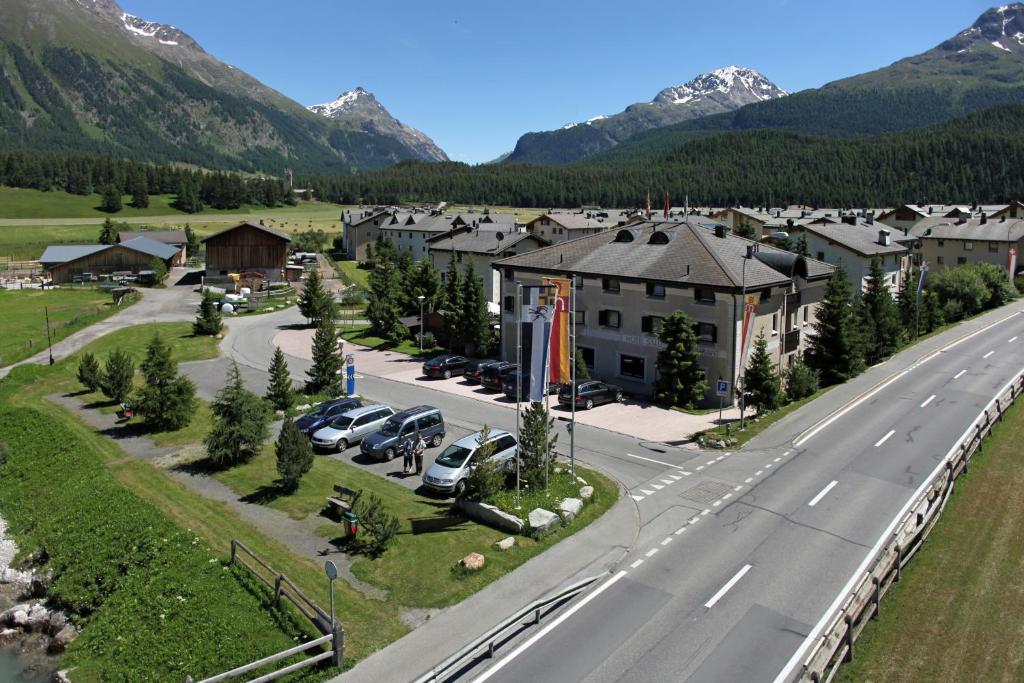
(345, 500)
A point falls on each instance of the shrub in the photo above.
(159, 269)
(89, 373)
(294, 455)
(487, 478)
(1001, 290)
(378, 525)
(118, 374)
(240, 423)
(801, 381)
(208, 322)
(166, 400)
(962, 292)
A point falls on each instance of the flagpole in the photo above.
(572, 337)
(547, 397)
(519, 375)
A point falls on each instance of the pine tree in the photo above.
(279, 390)
(426, 283)
(801, 381)
(882, 329)
(108, 233)
(582, 371)
(800, 247)
(239, 423)
(907, 304)
(192, 244)
(316, 303)
(681, 380)
(835, 348)
(324, 375)
(761, 380)
(89, 373)
(140, 192)
(932, 316)
(454, 308)
(294, 455)
(118, 375)
(111, 200)
(476, 320)
(159, 268)
(487, 478)
(383, 305)
(537, 439)
(208, 322)
(165, 400)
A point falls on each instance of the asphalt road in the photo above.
(750, 557)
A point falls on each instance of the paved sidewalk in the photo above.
(634, 418)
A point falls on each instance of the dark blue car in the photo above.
(323, 413)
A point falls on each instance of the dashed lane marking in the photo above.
(822, 494)
(727, 587)
(636, 564)
(674, 477)
(637, 498)
(650, 552)
(737, 488)
(1012, 339)
(928, 400)
(959, 374)
(680, 530)
(987, 355)
(667, 541)
(668, 482)
(657, 487)
(646, 492)
(758, 473)
(885, 438)
(748, 480)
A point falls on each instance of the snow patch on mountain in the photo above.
(346, 101)
(748, 83)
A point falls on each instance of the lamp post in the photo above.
(743, 341)
(519, 373)
(49, 340)
(422, 299)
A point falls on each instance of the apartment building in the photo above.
(854, 243)
(559, 226)
(481, 246)
(978, 240)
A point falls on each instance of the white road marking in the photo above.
(849, 407)
(727, 496)
(700, 467)
(959, 374)
(667, 541)
(674, 477)
(704, 512)
(725, 589)
(777, 459)
(657, 487)
(710, 462)
(636, 564)
(737, 488)
(928, 400)
(659, 462)
(637, 498)
(694, 519)
(651, 552)
(1012, 339)
(646, 492)
(667, 482)
(716, 503)
(823, 493)
(720, 458)
(786, 454)
(987, 355)
(748, 480)
(551, 626)
(680, 530)
(768, 466)
(758, 473)
(884, 438)
(683, 472)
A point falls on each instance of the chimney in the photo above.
(850, 220)
(870, 218)
(803, 214)
(884, 238)
(984, 218)
(721, 230)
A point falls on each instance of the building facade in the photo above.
(979, 240)
(854, 244)
(247, 248)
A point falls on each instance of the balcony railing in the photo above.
(791, 341)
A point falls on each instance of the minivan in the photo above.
(494, 375)
(350, 428)
(450, 470)
(387, 441)
(324, 412)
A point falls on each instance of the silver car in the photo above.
(449, 471)
(349, 428)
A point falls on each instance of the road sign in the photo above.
(331, 570)
(722, 387)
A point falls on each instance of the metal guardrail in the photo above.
(835, 644)
(441, 671)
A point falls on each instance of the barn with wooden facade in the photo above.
(247, 248)
(66, 262)
(173, 238)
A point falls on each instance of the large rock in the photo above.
(569, 508)
(38, 618)
(60, 642)
(491, 516)
(586, 492)
(506, 543)
(543, 522)
(473, 562)
(57, 622)
(8, 575)
(8, 635)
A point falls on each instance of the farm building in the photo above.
(66, 262)
(249, 248)
(173, 238)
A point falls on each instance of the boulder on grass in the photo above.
(473, 562)
(491, 516)
(543, 522)
(586, 492)
(569, 508)
(60, 642)
(506, 543)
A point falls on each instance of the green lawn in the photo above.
(360, 334)
(351, 272)
(959, 607)
(417, 569)
(23, 323)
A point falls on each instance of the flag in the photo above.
(648, 212)
(1013, 262)
(538, 314)
(559, 342)
(749, 313)
(667, 206)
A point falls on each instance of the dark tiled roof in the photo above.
(151, 247)
(165, 236)
(483, 241)
(264, 228)
(861, 238)
(692, 255)
(1010, 230)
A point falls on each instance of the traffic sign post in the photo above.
(722, 389)
(350, 368)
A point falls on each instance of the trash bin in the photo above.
(351, 522)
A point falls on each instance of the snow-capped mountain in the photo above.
(715, 92)
(735, 84)
(361, 109)
(1001, 28)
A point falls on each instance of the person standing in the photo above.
(421, 446)
(407, 449)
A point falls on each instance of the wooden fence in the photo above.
(835, 644)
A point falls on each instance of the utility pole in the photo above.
(572, 337)
(519, 375)
(743, 341)
(49, 340)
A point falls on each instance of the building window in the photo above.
(766, 294)
(510, 275)
(579, 281)
(510, 304)
(704, 295)
(968, 245)
(607, 318)
(651, 324)
(581, 318)
(707, 333)
(821, 256)
(993, 247)
(655, 290)
(942, 243)
(805, 314)
(961, 260)
(940, 260)
(775, 323)
(589, 356)
(610, 285)
(631, 366)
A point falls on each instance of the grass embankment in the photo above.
(360, 334)
(23, 323)
(417, 570)
(958, 610)
(758, 423)
(369, 624)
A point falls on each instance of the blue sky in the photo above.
(476, 75)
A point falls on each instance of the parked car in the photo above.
(476, 369)
(323, 413)
(449, 471)
(494, 375)
(350, 427)
(517, 379)
(386, 442)
(590, 394)
(446, 366)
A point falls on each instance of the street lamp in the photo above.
(422, 299)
